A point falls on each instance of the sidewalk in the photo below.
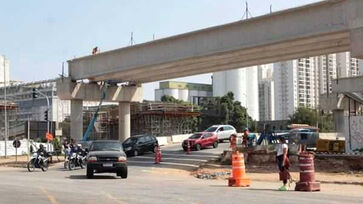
(22, 160)
(273, 176)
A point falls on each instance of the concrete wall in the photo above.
(23, 149)
(354, 135)
(165, 140)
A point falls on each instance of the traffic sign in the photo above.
(16, 143)
(49, 136)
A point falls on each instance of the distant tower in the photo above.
(4, 64)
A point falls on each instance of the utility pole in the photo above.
(28, 141)
(5, 111)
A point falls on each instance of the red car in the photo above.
(200, 140)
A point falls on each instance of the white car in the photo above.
(223, 132)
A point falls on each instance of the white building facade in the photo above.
(243, 83)
(182, 90)
(4, 70)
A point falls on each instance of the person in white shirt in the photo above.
(283, 162)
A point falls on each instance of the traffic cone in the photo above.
(157, 155)
(238, 178)
(188, 147)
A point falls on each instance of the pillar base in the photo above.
(307, 186)
(245, 182)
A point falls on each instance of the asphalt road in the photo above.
(150, 183)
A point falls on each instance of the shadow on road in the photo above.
(80, 177)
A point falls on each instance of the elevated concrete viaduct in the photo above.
(316, 29)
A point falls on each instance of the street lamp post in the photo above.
(5, 111)
(44, 95)
(47, 111)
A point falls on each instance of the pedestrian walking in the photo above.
(283, 163)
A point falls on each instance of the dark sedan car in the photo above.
(106, 156)
(139, 144)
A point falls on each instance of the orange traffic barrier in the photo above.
(188, 147)
(157, 151)
(238, 178)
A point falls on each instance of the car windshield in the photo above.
(195, 136)
(106, 146)
(211, 129)
(130, 140)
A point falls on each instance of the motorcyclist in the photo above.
(42, 151)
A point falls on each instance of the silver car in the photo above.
(223, 132)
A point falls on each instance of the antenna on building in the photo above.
(246, 12)
(132, 42)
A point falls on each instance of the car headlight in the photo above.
(128, 148)
(92, 159)
(121, 159)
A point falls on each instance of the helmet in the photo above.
(41, 146)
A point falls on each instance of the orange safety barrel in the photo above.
(307, 173)
(238, 178)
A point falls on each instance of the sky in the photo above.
(37, 36)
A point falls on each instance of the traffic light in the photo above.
(46, 115)
(35, 94)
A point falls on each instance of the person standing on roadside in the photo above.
(283, 163)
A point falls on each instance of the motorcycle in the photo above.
(38, 161)
(76, 160)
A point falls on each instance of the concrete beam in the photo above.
(70, 90)
(349, 84)
(321, 28)
(356, 48)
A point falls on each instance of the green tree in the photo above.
(224, 110)
(170, 99)
(312, 117)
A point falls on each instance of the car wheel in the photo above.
(123, 172)
(215, 144)
(89, 172)
(136, 153)
(198, 147)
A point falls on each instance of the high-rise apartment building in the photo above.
(266, 93)
(301, 82)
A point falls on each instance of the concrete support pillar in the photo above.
(338, 115)
(124, 124)
(77, 119)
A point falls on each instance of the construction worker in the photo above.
(283, 163)
(245, 137)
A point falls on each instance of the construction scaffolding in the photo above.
(162, 119)
(158, 119)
